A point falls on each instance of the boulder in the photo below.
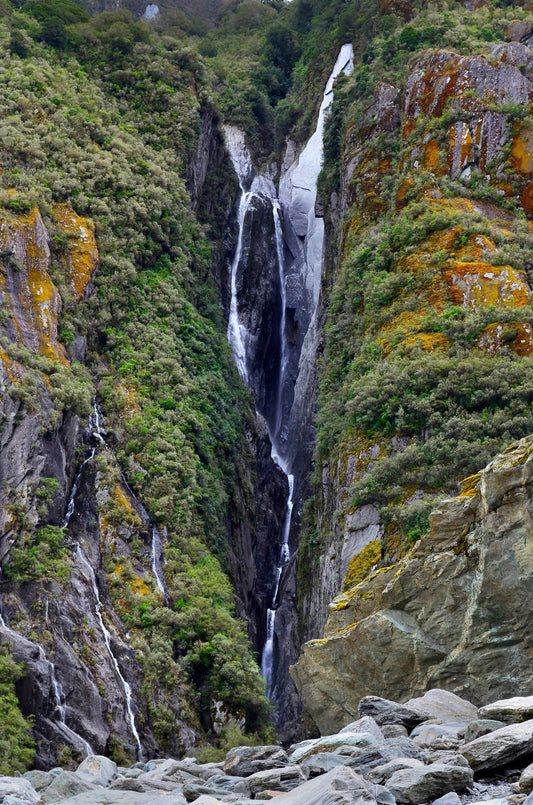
(360, 740)
(365, 724)
(284, 779)
(482, 726)
(64, 786)
(380, 774)
(448, 799)
(20, 788)
(394, 731)
(362, 761)
(510, 711)
(97, 769)
(444, 706)
(525, 782)
(500, 747)
(442, 736)
(245, 760)
(322, 762)
(340, 786)
(39, 779)
(425, 783)
(384, 711)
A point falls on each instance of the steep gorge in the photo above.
(127, 244)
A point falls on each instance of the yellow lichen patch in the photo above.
(12, 369)
(461, 148)
(469, 485)
(514, 336)
(478, 284)
(81, 259)
(522, 152)
(429, 342)
(362, 563)
(357, 455)
(130, 406)
(431, 155)
(33, 298)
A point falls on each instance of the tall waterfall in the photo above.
(298, 243)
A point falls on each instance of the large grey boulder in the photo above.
(364, 724)
(284, 779)
(385, 711)
(510, 711)
(241, 761)
(380, 774)
(362, 761)
(322, 762)
(20, 788)
(422, 784)
(445, 706)
(341, 786)
(97, 769)
(65, 785)
(360, 740)
(500, 747)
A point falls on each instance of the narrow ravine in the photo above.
(273, 372)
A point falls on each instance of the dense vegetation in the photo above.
(16, 744)
(103, 114)
(394, 365)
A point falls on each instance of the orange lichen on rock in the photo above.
(9, 369)
(516, 337)
(81, 260)
(461, 149)
(478, 284)
(25, 285)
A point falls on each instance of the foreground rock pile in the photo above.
(428, 750)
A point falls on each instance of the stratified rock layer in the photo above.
(454, 614)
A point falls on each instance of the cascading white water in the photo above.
(236, 331)
(107, 640)
(297, 197)
(96, 424)
(156, 553)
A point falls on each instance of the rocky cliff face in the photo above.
(454, 613)
(457, 120)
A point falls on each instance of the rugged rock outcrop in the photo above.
(454, 613)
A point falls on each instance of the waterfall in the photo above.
(293, 213)
(96, 425)
(107, 640)
(156, 553)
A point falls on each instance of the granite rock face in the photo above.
(455, 613)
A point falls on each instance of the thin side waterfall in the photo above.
(156, 553)
(96, 425)
(107, 639)
(236, 331)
